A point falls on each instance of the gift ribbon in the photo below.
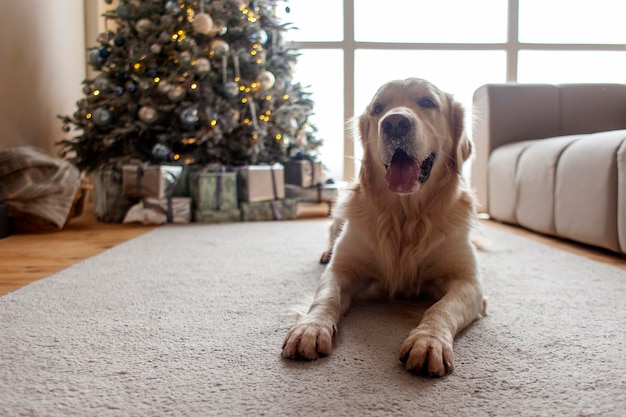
(274, 202)
(218, 188)
(139, 177)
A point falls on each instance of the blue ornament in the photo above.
(260, 36)
(189, 116)
(95, 60)
(101, 116)
(152, 72)
(104, 53)
(119, 90)
(119, 41)
(160, 151)
(131, 87)
(172, 7)
(123, 11)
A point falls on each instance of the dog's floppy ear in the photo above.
(462, 145)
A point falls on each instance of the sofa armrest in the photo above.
(507, 113)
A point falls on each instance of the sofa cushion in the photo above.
(586, 190)
(501, 180)
(621, 196)
(535, 183)
(589, 108)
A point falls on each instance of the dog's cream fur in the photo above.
(404, 242)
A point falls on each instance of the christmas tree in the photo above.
(191, 82)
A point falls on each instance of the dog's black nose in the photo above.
(396, 125)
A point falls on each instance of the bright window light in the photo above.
(571, 67)
(430, 21)
(567, 21)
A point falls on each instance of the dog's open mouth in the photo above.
(404, 173)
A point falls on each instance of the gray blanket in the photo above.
(34, 183)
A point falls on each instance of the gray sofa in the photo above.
(552, 158)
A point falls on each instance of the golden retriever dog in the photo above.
(403, 229)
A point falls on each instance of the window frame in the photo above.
(349, 45)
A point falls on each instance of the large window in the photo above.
(350, 47)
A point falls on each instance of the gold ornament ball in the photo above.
(148, 114)
(266, 79)
(219, 47)
(202, 24)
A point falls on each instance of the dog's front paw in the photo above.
(427, 352)
(308, 340)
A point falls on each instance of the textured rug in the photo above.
(188, 320)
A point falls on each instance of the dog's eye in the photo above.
(378, 108)
(426, 103)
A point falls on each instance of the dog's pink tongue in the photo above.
(403, 173)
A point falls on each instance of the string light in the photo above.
(244, 100)
(176, 157)
(88, 116)
(194, 86)
(279, 136)
(96, 92)
(286, 97)
(157, 79)
(213, 122)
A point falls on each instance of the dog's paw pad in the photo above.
(308, 341)
(425, 353)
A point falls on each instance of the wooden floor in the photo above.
(25, 258)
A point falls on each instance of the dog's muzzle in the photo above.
(404, 172)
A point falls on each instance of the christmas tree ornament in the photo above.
(94, 58)
(164, 38)
(119, 41)
(148, 114)
(184, 58)
(119, 90)
(176, 94)
(156, 48)
(161, 151)
(123, 11)
(173, 7)
(189, 116)
(219, 47)
(104, 53)
(131, 87)
(266, 79)
(167, 20)
(231, 89)
(164, 87)
(101, 116)
(203, 65)
(102, 83)
(144, 27)
(202, 24)
(260, 36)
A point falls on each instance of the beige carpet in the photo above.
(188, 321)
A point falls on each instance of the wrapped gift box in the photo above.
(110, 204)
(285, 209)
(303, 172)
(151, 181)
(322, 193)
(261, 183)
(159, 211)
(214, 190)
(217, 216)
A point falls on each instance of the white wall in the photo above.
(42, 65)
